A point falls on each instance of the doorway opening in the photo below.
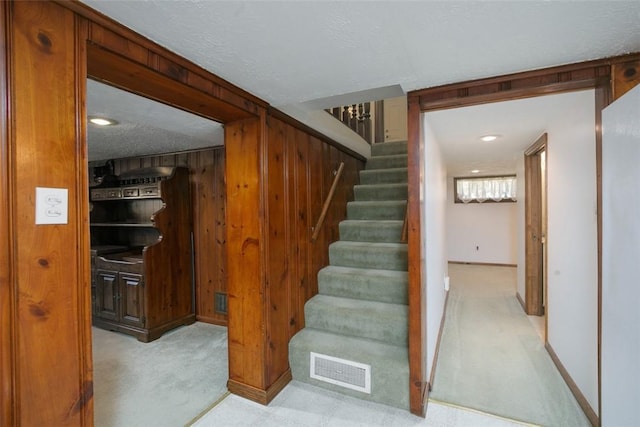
(183, 362)
(535, 223)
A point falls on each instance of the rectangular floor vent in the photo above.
(345, 373)
(220, 302)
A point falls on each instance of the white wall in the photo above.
(572, 297)
(491, 227)
(620, 261)
(434, 236)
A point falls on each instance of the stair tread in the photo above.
(372, 222)
(389, 286)
(358, 346)
(386, 147)
(358, 304)
(377, 202)
(368, 245)
(385, 322)
(383, 185)
(366, 271)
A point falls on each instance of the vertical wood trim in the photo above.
(246, 249)
(85, 400)
(533, 224)
(51, 272)
(8, 368)
(626, 75)
(379, 122)
(417, 304)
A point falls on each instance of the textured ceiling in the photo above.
(144, 126)
(519, 123)
(301, 55)
(287, 52)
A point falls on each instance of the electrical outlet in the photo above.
(446, 283)
(52, 205)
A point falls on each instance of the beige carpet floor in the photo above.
(491, 357)
(166, 382)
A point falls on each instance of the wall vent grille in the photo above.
(345, 373)
(220, 302)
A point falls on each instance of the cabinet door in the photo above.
(106, 304)
(132, 299)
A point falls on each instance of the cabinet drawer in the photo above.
(150, 191)
(130, 192)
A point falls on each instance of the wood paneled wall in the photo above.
(284, 173)
(299, 170)
(49, 339)
(206, 176)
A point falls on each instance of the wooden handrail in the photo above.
(327, 202)
(404, 235)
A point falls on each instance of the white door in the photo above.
(395, 119)
(620, 355)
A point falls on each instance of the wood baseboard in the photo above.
(211, 320)
(521, 301)
(437, 352)
(258, 395)
(582, 401)
(490, 264)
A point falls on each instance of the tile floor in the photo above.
(302, 405)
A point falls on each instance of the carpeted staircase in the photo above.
(360, 312)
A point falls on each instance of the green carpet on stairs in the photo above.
(360, 312)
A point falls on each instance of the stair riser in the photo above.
(369, 257)
(380, 192)
(395, 211)
(387, 289)
(389, 366)
(387, 162)
(384, 176)
(389, 148)
(388, 326)
(362, 231)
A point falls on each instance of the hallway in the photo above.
(491, 356)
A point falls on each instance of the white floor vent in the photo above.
(345, 373)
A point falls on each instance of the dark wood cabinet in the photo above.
(142, 281)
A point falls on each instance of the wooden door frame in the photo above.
(610, 77)
(116, 55)
(534, 254)
(7, 281)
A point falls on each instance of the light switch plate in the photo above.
(52, 205)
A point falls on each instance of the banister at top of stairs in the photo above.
(357, 117)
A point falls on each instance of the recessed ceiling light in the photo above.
(475, 171)
(102, 121)
(489, 138)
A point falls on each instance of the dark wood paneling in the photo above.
(206, 174)
(120, 40)
(625, 76)
(298, 175)
(126, 73)
(246, 254)
(52, 363)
